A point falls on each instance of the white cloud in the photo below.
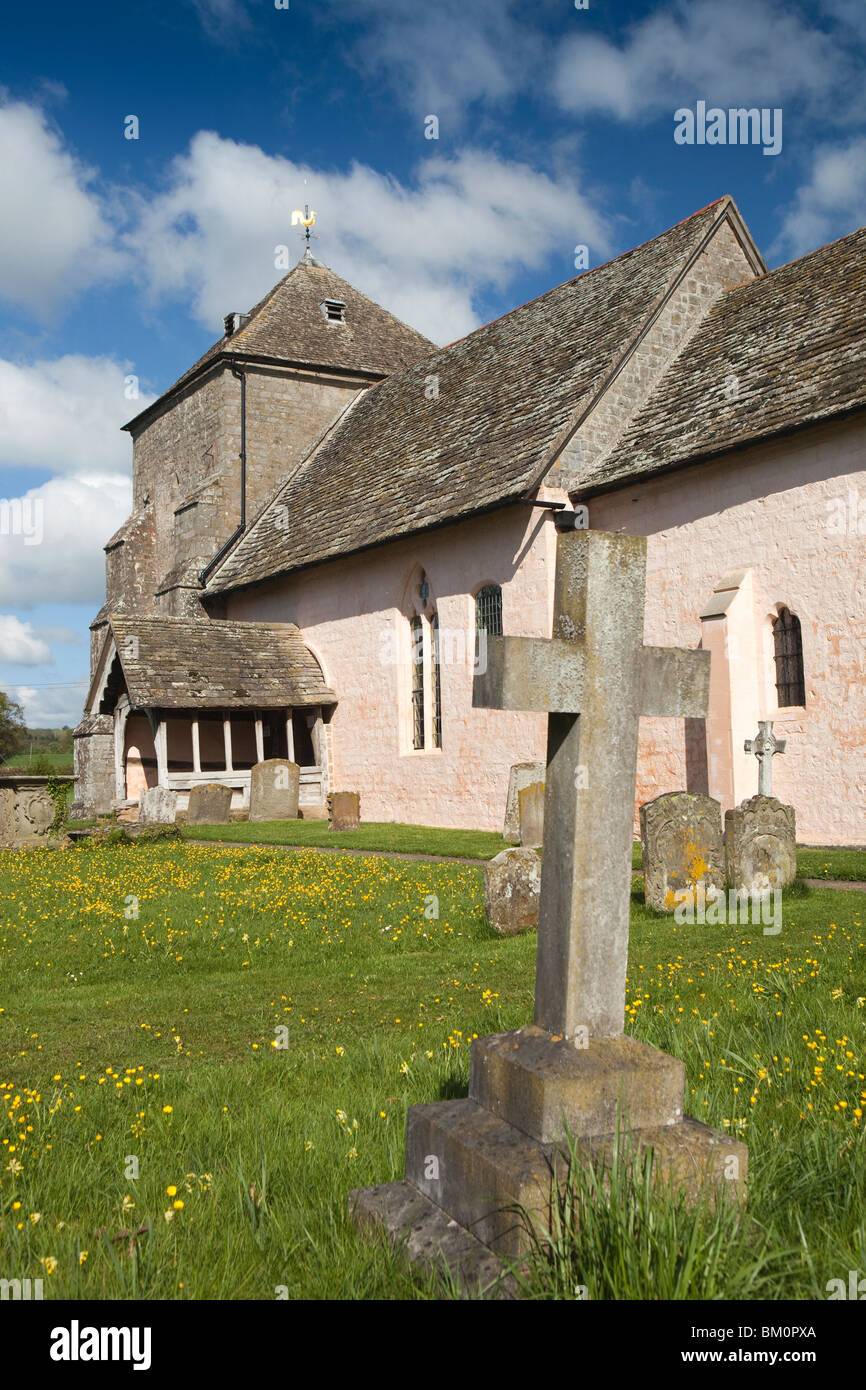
(425, 249)
(19, 644)
(65, 414)
(741, 53)
(51, 707)
(56, 236)
(830, 204)
(440, 58)
(72, 518)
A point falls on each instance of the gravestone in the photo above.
(681, 836)
(521, 775)
(512, 883)
(209, 804)
(274, 789)
(157, 806)
(344, 811)
(765, 747)
(574, 1071)
(531, 803)
(761, 845)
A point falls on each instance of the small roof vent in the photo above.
(334, 310)
(234, 322)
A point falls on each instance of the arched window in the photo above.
(788, 640)
(417, 630)
(488, 610)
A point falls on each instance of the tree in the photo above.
(12, 728)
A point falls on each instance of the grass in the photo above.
(847, 864)
(143, 988)
(830, 863)
(372, 835)
(385, 836)
(56, 762)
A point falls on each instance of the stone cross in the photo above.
(764, 747)
(594, 678)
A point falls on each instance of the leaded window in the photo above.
(790, 678)
(437, 685)
(488, 610)
(417, 631)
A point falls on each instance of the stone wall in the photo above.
(186, 461)
(93, 750)
(721, 265)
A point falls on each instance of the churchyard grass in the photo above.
(849, 864)
(372, 835)
(151, 1036)
(829, 863)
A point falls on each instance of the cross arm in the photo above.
(531, 673)
(674, 682)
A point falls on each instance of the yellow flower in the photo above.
(49, 1262)
(178, 1205)
(166, 1110)
(82, 1257)
(35, 1216)
(171, 1190)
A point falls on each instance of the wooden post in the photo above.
(260, 740)
(227, 740)
(121, 714)
(290, 738)
(196, 753)
(161, 744)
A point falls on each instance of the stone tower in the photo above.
(212, 450)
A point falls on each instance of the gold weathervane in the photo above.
(306, 219)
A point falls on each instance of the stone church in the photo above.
(330, 516)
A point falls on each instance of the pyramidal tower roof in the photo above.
(313, 318)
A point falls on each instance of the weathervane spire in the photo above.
(307, 219)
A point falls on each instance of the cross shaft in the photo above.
(594, 679)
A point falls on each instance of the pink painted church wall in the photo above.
(354, 615)
(792, 516)
(780, 518)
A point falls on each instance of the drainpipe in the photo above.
(236, 372)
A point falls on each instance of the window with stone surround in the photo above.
(437, 684)
(788, 642)
(488, 610)
(416, 628)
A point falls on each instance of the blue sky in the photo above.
(120, 257)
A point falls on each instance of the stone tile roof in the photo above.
(795, 339)
(172, 663)
(509, 396)
(288, 324)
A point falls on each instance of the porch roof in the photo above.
(177, 663)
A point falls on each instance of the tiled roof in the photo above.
(794, 339)
(172, 663)
(509, 396)
(289, 324)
